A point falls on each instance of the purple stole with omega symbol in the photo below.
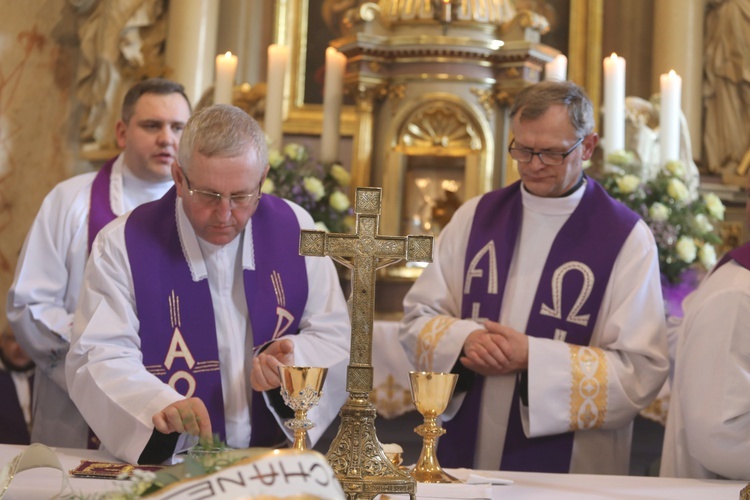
(177, 325)
(565, 307)
(100, 208)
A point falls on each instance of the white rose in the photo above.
(628, 183)
(714, 205)
(677, 190)
(268, 186)
(707, 255)
(702, 224)
(686, 249)
(341, 175)
(676, 168)
(295, 152)
(339, 201)
(275, 158)
(314, 187)
(659, 212)
(621, 158)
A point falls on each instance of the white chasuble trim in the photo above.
(588, 395)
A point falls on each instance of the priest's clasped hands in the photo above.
(191, 415)
(495, 350)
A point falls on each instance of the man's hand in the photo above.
(496, 350)
(265, 373)
(189, 415)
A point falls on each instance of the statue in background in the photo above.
(121, 42)
(726, 87)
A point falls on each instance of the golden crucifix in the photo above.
(355, 454)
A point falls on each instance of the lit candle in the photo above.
(614, 104)
(226, 67)
(446, 17)
(557, 68)
(333, 95)
(669, 116)
(278, 56)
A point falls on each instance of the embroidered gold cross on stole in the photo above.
(356, 455)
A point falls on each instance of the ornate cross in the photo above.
(356, 455)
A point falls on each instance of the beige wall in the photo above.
(37, 56)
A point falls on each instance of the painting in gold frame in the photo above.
(300, 25)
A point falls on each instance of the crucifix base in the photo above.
(357, 457)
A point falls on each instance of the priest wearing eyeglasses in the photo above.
(192, 302)
(544, 296)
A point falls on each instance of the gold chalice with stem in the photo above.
(431, 392)
(301, 388)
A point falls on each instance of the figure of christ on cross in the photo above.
(356, 455)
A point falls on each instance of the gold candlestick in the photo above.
(431, 393)
(301, 389)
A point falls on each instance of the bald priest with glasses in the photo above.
(192, 302)
(545, 297)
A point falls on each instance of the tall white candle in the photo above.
(557, 68)
(278, 56)
(614, 104)
(333, 95)
(669, 116)
(226, 68)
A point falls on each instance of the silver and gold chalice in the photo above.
(431, 392)
(301, 388)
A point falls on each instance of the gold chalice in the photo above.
(301, 389)
(431, 393)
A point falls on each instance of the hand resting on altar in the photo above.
(496, 350)
(265, 372)
(188, 415)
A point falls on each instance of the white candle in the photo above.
(669, 117)
(226, 68)
(278, 56)
(446, 14)
(614, 104)
(557, 68)
(333, 95)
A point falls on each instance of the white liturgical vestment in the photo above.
(708, 425)
(104, 367)
(629, 335)
(43, 297)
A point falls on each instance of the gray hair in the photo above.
(224, 131)
(533, 101)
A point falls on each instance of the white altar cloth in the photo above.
(44, 483)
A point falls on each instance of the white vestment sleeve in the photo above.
(106, 378)
(628, 346)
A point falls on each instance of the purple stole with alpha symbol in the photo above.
(100, 208)
(177, 324)
(566, 306)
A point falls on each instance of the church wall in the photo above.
(38, 52)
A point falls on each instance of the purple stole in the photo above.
(177, 325)
(740, 254)
(100, 208)
(580, 262)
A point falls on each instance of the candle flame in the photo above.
(446, 1)
(228, 54)
(672, 73)
(614, 55)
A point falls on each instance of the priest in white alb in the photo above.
(545, 297)
(192, 302)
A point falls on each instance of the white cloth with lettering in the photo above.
(105, 349)
(630, 332)
(43, 296)
(708, 425)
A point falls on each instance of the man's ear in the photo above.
(121, 133)
(589, 145)
(177, 177)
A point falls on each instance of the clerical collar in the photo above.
(581, 181)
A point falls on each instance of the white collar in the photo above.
(553, 206)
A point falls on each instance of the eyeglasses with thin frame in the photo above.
(549, 158)
(212, 199)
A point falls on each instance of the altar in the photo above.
(44, 483)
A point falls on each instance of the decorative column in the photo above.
(678, 45)
(365, 95)
(191, 44)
